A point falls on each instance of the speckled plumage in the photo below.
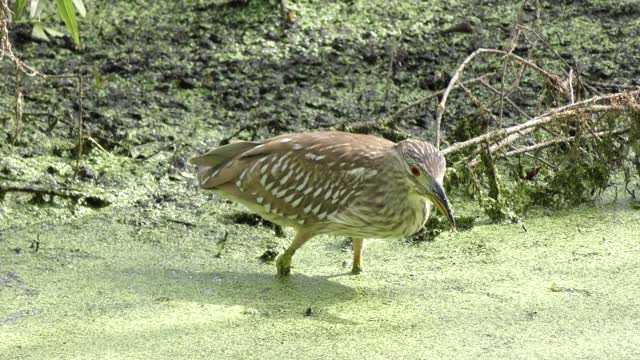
(326, 183)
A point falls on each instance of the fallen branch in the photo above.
(75, 195)
(567, 139)
(585, 106)
(510, 139)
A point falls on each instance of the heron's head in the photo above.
(425, 166)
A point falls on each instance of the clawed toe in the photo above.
(283, 265)
(284, 271)
(356, 270)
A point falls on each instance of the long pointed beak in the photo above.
(442, 203)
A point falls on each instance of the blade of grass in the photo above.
(68, 15)
(20, 5)
(79, 4)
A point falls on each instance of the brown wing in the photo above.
(301, 178)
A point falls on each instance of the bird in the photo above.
(331, 182)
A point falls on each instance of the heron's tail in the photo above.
(209, 164)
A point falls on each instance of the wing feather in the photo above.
(209, 165)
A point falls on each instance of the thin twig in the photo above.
(513, 42)
(479, 104)
(539, 15)
(497, 92)
(541, 159)
(545, 43)
(515, 32)
(398, 114)
(510, 139)
(19, 107)
(612, 86)
(502, 80)
(447, 90)
(570, 82)
(94, 142)
(80, 134)
(553, 78)
(473, 160)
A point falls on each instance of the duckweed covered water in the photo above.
(560, 286)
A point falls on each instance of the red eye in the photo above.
(414, 170)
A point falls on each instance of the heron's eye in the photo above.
(414, 170)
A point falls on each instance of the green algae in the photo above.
(561, 285)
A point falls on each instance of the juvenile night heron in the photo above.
(337, 183)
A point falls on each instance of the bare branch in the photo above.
(452, 83)
(500, 144)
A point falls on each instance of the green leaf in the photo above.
(52, 32)
(79, 4)
(38, 32)
(20, 5)
(35, 8)
(68, 15)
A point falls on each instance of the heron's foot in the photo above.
(283, 264)
(356, 269)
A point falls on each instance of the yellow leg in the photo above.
(283, 264)
(358, 246)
